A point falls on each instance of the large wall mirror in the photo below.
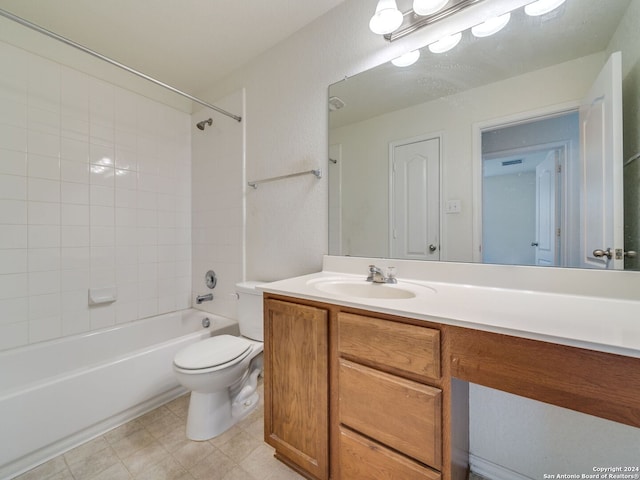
(517, 148)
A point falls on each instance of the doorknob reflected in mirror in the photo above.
(534, 244)
(603, 253)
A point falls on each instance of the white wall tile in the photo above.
(14, 285)
(44, 259)
(42, 190)
(13, 186)
(44, 83)
(45, 329)
(13, 236)
(14, 335)
(74, 212)
(43, 166)
(102, 316)
(42, 283)
(13, 112)
(44, 213)
(43, 143)
(13, 212)
(43, 306)
(102, 195)
(13, 310)
(44, 236)
(72, 236)
(13, 162)
(75, 322)
(13, 260)
(73, 171)
(74, 193)
(13, 138)
(71, 214)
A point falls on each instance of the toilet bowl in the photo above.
(222, 371)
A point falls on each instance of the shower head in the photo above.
(201, 124)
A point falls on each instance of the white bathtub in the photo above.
(57, 394)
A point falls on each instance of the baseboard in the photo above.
(32, 460)
(493, 471)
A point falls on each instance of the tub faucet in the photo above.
(376, 275)
(204, 298)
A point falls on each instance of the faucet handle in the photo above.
(391, 275)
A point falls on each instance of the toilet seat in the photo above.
(215, 353)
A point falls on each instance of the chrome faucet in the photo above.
(376, 275)
(204, 298)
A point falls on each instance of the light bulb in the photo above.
(541, 7)
(387, 17)
(491, 26)
(407, 59)
(427, 7)
(446, 43)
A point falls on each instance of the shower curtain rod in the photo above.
(71, 43)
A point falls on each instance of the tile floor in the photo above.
(154, 447)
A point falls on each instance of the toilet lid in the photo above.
(212, 352)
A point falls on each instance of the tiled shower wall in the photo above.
(95, 191)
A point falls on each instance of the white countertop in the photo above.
(593, 322)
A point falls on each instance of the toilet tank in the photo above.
(250, 310)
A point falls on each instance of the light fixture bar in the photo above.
(93, 53)
(413, 22)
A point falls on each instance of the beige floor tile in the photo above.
(240, 446)
(85, 450)
(123, 431)
(192, 453)
(130, 444)
(237, 473)
(47, 470)
(146, 458)
(166, 469)
(115, 472)
(214, 467)
(165, 425)
(94, 464)
(226, 436)
(179, 406)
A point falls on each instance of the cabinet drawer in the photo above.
(363, 459)
(400, 413)
(401, 347)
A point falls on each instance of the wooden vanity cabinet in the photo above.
(296, 374)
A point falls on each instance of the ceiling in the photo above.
(188, 44)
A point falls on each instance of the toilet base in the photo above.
(209, 415)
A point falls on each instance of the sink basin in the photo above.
(364, 289)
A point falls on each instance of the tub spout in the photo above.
(204, 298)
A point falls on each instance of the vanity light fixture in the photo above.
(540, 7)
(491, 26)
(407, 59)
(428, 7)
(387, 17)
(446, 43)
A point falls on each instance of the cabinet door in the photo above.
(295, 385)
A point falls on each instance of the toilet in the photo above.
(222, 371)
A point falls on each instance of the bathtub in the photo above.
(58, 394)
